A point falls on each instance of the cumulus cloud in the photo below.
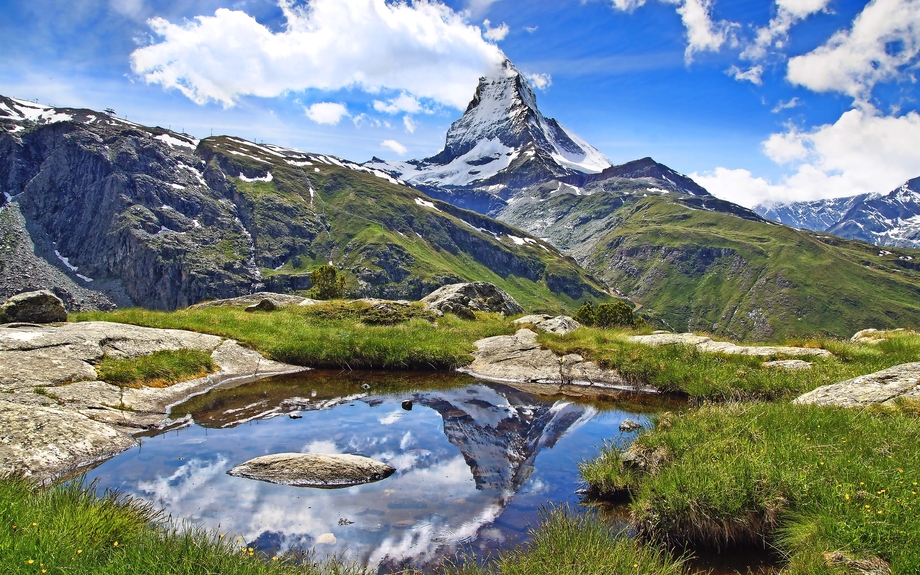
(883, 42)
(496, 34)
(424, 49)
(402, 103)
(539, 81)
(752, 74)
(775, 34)
(861, 152)
(329, 113)
(703, 33)
(394, 146)
(793, 103)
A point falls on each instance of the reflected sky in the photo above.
(475, 462)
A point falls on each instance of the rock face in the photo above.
(313, 470)
(464, 298)
(519, 357)
(882, 387)
(56, 416)
(560, 325)
(707, 345)
(33, 307)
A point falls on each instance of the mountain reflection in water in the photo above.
(475, 462)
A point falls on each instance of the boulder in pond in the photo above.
(465, 298)
(33, 307)
(313, 470)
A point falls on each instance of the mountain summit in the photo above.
(502, 140)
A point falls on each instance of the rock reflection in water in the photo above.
(465, 457)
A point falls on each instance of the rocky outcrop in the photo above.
(56, 416)
(519, 358)
(33, 307)
(464, 298)
(313, 470)
(707, 345)
(884, 387)
(560, 325)
(879, 335)
(277, 299)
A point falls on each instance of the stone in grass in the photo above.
(33, 307)
(264, 305)
(328, 471)
(790, 364)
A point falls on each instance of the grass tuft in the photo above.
(159, 369)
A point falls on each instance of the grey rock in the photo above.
(629, 425)
(313, 470)
(790, 364)
(277, 299)
(561, 325)
(33, 307)
(43, 442)
(264, 305)
(878, 335)
(881, 387)
(464, 298)
(519, 358)
(707, 345)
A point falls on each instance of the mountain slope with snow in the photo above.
(891, 219)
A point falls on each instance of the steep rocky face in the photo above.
(107, 212)
(891, 219)
(502, 142)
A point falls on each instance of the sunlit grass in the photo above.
(160, 369)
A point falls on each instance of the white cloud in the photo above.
(793, 103)
(539, 81)
(410, 124)
(424, 49)
(703, 33)
(861, 152)
(402, 103)
(394, 146)
(775, 34)
(329, 113)
(496, 34)
(531, 29)
(133, 9)
(751, 75)
(478, 7)
(882, 43)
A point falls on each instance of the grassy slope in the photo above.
(379, 232)
(713, 272)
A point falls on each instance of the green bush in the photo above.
(606, 315)
(327, 283)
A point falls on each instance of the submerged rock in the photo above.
(628, 425)
(313, 470)
(33, 307)
(465, 298)
(885, 387)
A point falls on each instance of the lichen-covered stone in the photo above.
(706, 344)
(560, 325)
(884, 387)
(313, 470)
(464, 298)
(33, 307)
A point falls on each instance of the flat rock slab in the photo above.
(313, 470)
(789, 364)
(881, 387)
(43, 442)
(560, 325)
(707, 345)
(520, 358)
(277, 299)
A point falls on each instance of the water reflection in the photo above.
(475, 461)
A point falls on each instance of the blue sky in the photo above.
(758, 100)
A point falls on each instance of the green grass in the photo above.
(159, 369)
(810, 480)
(68, 529)
(685, 369)
(572, 543)
(332, 334)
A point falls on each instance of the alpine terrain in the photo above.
(891, 219)
(108, 213)
(687, 259)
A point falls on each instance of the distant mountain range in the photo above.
(891, 219)
(113, 213)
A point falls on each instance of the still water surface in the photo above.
(475, 462)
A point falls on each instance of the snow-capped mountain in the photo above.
(891, 219)
(502, 140)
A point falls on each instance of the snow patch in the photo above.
(66, 261)
(197, 174)
(84, 278)
(177, 186)
(426, 204)
(266, 178)
(176, 142)
(657, 190)
(297, 164)
(235, 153)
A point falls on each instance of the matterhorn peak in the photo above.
(503, 138)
